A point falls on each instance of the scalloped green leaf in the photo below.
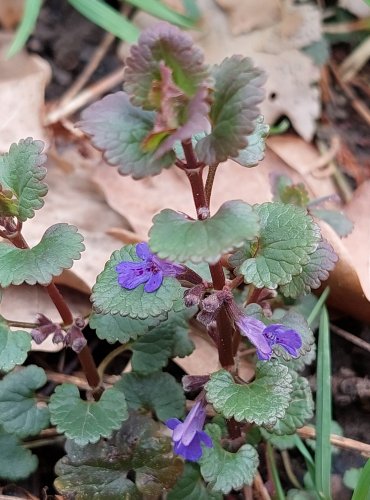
(109, 297)
(86, 421)
(287, 238)
(158, 392)
(262, 401)
(254, 151)
(297, 322)
(166, 44)
(118, 128)
(121, 328)
(20, 414)
(14, 346)
(286, 442)
(139, 451)
(60, 245)
(16, 462)
(226, 471)
(22, 172)
(150, 353)
(237, 95)
(322, 260)
(190, 486)
(300, 409)
(285, 191)
(174, 236)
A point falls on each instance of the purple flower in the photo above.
(187, 436)
(265, 337)
(150, 270)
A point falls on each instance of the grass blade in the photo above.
(323, 409)
(107, 18)
(306, 455)
(316, 310)
(26, 27)
(362, 490)
(158, 9)
(274, 472)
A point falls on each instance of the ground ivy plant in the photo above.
(232, 273)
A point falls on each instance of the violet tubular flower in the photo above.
(149, 270)
(187, 436)
(264, 338)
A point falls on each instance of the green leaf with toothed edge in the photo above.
(262, 401)
(20, 413)
(22, 172)
(14, 346)
(60, 245)
(16, 462)
(300, 409)
(118, 128)
(254, 152)
(109, 297)
(121, 328)
(158, 392)
(86, 421)
(238, 92)
(151, 351)
(174, 236)
(338, 221)
(226, 471)
(288, 237)
(322, 260)
(190, 486)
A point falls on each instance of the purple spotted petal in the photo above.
(288, 338)
(143, 251)
(253, 329)
(124, 267)
(168, 268)
(154, 282)
(132, 279)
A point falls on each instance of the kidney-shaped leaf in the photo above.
(262, 401)
(60, 245)
(176, 237)
(226, 471)
(86, 421)
(22, 172)
(287, 238)
(16, 462)
(19, 412)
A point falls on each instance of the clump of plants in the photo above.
(237, 273)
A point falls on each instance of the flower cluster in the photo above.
(149, 270)
(187, 436)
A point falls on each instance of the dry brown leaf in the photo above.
(11, 12)
(75, 199)
(23, 302)
(22, 84)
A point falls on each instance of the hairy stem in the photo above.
(224, 326)
(85, 357)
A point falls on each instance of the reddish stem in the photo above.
(85, 357)
(224, 326)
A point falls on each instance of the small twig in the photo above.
(260, 488)
(289, 471)
(110, 357)
(355, 102)
(355, 61)
(351, 338)
(89, 69)
(21, 324)
(307, 432)
(84, 97)
(209, 182)
(248, 493)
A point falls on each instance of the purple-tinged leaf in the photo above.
(163, 43)
(338, 221)
(237, 96)
(119, 129)
(322, 260)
